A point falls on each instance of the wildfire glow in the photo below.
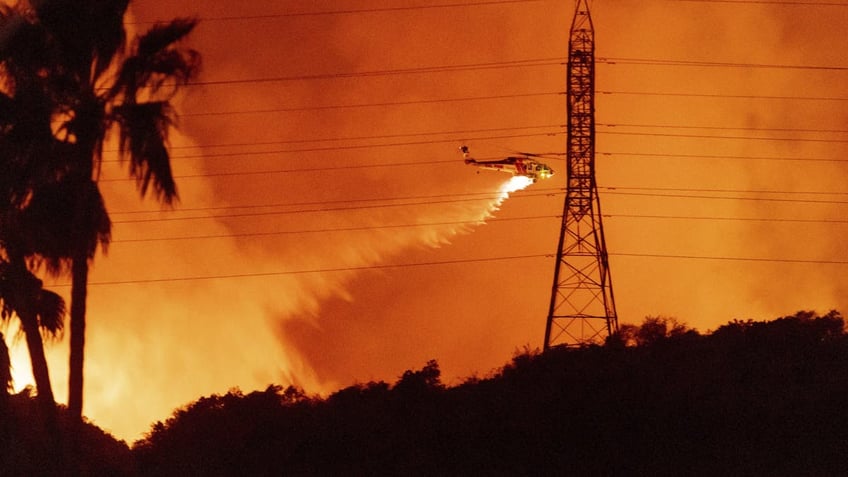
(200, 299)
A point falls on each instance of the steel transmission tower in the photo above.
(582, 307)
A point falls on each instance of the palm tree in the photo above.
(39, 311)
(25, 134)
(99, 86)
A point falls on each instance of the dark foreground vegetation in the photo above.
(750, 398)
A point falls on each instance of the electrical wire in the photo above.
(335, 229)
(525, 63)
(268, 16)
(759, 199)
(194, 278)
(713, 64)
(482, 130)
(723, 128)
(310, 271)
(322, 209)
(732, 259)
(370, 105)
(728, 219)
(705, 136)
(767, 2)
(497, 97)
(719, 95)
(473, 196)
(770, 220)
(558, 132)
(487, 195)
(554, 61)
(727, 191)
(371, 137)
(720, 157)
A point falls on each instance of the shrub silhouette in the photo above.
(752, 398)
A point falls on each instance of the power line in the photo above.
(727, 191)
(724, 128)
(760, 199)
(482, 130)
(555, 61)
(323, 209)
(710, 156)
(346, 205)
(715, 64)
(733, 259)
(370, 105)
(268, 16)
(496, 97)
(449, 161)
(467, 223)
(525, 63)
(359, 146)
(443, 262)
(559, 131)
(767, 2)
(371, 137)
(291, 171)
(487, 195)
(721, 95)
(705, 136)
(335, 229)
(728, 219)
(310, 271)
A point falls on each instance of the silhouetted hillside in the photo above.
(751, 398)
(25, 443)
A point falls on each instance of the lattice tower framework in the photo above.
(582, 308)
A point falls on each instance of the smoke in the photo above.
(318, 196)
(197, 316)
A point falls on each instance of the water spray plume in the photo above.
(515, 184)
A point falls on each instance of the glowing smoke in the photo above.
(153, 346)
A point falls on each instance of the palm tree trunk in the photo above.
(29, 322)
(79, 290)
(52, 460)
(5, 374)
(37, 359)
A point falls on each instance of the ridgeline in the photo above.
(750, 398)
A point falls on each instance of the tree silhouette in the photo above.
(5, 371)
(96, 85)
(39, 310)
(26, 143)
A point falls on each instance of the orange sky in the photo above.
(156, 344)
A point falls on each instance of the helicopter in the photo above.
(522, 165)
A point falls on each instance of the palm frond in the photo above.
(90, 32)
(64, 217)
(111, 38)
(158, 62)
(162, 36)
(50, 308)
(143, 139)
